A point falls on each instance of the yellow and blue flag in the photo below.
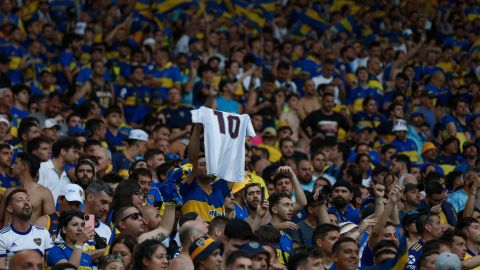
(397, 263)
(312, 18)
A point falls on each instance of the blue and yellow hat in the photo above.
(201, 248)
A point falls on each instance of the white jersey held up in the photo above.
(224, 142)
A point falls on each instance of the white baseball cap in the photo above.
(400, 125)
(72, 193)
(4, 119)
(138, 134)
(50, 123)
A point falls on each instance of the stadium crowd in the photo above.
(365, 153)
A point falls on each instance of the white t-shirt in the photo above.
(224, 142)
(12, 241)
(49, 178)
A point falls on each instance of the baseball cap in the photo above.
(360, 128)
(346, 227)
(411, 186)
(342, 183)
(72, 193)
(76, 130)
(138, 134)
(149, 41)
(447, 261)
(192, 40)
(50, 123)
(370, 199)
(400, 125)
(239, 186)
(253, 248)
(428, 146)
(409, 217)
(270, 131)
(201, 248)
(4, 119)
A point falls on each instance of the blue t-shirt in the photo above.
(414, 253)
(64, 252)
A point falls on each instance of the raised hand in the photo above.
(379, 191)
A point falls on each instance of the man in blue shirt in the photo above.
(429, 227)
(341, 198)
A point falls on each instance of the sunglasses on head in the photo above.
(133, 216)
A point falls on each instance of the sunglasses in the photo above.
(133, 216)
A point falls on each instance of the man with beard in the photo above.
(304, 172)
(256, 207)
(69, 200)
(470, 154)
(410, 198)
(85, 172)
(20, 234)
(25, 169)
(341, 197)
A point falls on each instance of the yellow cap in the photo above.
(428, 146)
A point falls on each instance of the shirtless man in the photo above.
(310, 101)
(189, 232)
(25, 169)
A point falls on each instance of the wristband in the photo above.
(77, 246)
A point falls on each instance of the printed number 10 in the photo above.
(233, 124)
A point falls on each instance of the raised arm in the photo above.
(379, 191)
(164, 228)
(300, 198)
(472, 196)
(193, 150)
(377, 232)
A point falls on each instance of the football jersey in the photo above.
(12, 241)
(224, 142)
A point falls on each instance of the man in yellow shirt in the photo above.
(269, 137)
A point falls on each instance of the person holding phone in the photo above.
(75, 235)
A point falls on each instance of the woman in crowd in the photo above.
(111, 262)
(150, 255)
(75, 235)
(123, 246)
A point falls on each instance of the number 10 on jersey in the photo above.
(233, 124)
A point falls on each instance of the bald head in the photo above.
(26, 259)
(151, 216)
(190, 231)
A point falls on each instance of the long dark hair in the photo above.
(65, 218)
(123, 194)
(129, 241)
(145, 251)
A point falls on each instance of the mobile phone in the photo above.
(263, 194)
(89, 221)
